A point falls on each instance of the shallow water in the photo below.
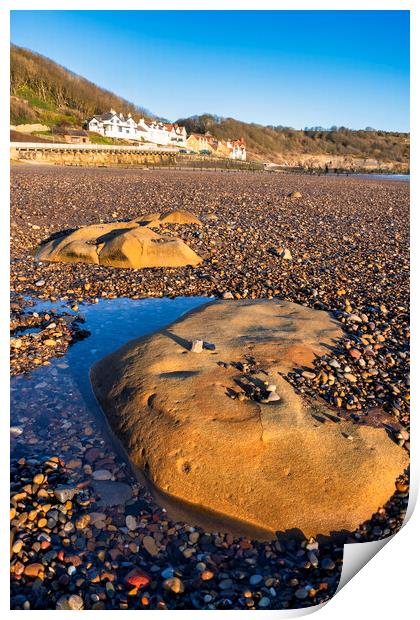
(57, 411)
(54, 406)
(63, 387)
(374, 177)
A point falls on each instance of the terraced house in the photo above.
(202, 142)
(116, 125)
(233, 149)
(113, 125)
(161, 133)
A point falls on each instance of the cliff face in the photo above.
(341, 162)
(313, 148)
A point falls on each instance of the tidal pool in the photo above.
(54, 410)
(46, 400)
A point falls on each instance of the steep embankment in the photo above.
(43, 91)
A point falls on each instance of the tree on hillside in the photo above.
(317, 140)
(35, 75)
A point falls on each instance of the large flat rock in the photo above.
(129, 245)
(275, 465)
(176, 216)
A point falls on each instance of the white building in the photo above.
(178, 134)
(115, 125)
(167, 134)
(238, 150)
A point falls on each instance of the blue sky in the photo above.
(297, 68)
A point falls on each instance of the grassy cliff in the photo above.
(44, 92)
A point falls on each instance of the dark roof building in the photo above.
(72, 136)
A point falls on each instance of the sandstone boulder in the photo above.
(119, 244)
(177, 216)
(276, 465)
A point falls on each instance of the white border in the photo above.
(388, 584)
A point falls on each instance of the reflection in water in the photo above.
(40, 399)
(373, 176)
(54, 408)
(57, 411)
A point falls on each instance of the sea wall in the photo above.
(124, 156)
(78, 155)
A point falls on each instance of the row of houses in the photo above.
(234, 149)
(117, 126)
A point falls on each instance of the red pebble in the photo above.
(137, 578)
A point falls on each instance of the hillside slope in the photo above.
(43, 91)
(340, 148)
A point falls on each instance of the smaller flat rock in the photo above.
(111, 493)
(131, 522)
(150, 545)
(102, 474)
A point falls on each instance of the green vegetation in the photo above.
(96, 138)
(44, 92)
(269, 142)
(25, 92)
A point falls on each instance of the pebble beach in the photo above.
(86, 533)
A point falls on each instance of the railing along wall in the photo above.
(124, 156)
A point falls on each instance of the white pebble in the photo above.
(197, 346)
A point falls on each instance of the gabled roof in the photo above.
(199, 136)
(103, 117)
(106, 116)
